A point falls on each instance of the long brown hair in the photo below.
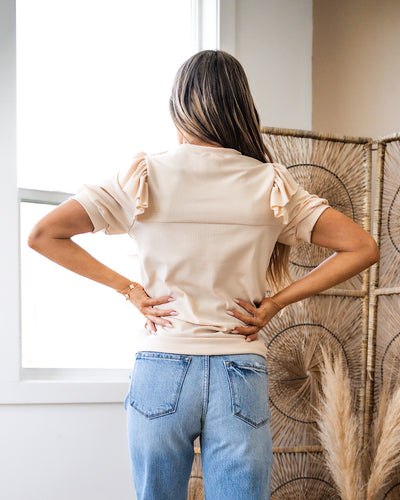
(211, 100)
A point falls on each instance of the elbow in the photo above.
(32, 241)
(32, 238)
(372, 251)
(35, 237)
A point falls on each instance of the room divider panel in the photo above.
(360, 317)
(338, 169)
(384, 319)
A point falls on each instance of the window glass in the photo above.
(69, 321)
(93, 82)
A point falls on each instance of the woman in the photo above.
(213, 219)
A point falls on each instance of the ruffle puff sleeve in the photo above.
(296, 208)
(114, 203)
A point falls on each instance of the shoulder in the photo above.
(143, 158)
(137, 168)
(284, 188)
(134, 177)
(283, 179)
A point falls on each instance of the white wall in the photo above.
(64, 452)
(274, 45)
(79, 451)
(356, 71)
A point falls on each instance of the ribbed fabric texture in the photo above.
(206, 220)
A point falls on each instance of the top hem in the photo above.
(189, 345)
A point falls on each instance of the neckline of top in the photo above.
(212, 148)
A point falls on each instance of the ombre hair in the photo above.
(211, 100)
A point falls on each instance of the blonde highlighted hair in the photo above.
(211, 100)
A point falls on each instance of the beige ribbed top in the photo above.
(205, 220)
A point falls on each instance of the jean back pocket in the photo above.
(156, 382)
(249, 386)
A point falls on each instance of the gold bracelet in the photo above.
(126, 290)
(275, 302)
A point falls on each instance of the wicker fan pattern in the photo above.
(294, 357)
(300, 476)
(384, 320)
(390, 217)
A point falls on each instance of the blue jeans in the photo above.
(224, 399)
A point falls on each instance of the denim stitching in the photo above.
(206, 375)
(185, 362)
(229, 365)
(252, 366)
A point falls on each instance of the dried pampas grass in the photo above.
(385, 440)
(358, 472)
(338, 428)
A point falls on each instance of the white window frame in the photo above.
(20, 385)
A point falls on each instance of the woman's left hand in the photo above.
(260, 316)
(147, 306)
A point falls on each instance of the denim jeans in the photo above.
(173, 399)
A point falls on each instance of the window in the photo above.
(93, 82)
(42, 121)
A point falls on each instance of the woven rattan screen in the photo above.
(350, 318)
(338, 169)
(384, 320)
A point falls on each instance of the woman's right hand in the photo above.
(261, 315)
(146, 305)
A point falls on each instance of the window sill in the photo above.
(58, 386)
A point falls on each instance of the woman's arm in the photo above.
(355, 250)
(51, 237)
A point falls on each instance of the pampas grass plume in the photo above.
(338, 428)
(386, 442)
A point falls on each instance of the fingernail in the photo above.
(235, 331)
(230, 313)
(171, 299)
(237, 302)
(173, 313)
(248, 340)
(169, 325)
